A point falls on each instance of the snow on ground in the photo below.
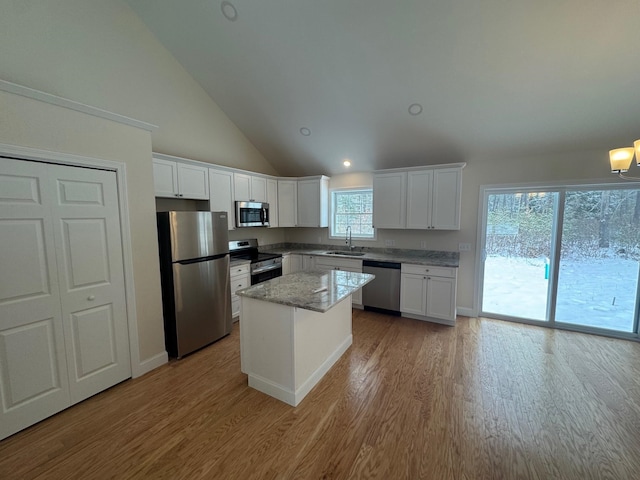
(597, 292)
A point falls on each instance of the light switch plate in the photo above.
(464, 247)
(390, 243)
(423, 244)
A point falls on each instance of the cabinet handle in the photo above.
(91, 298)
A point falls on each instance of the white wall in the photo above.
(567, 167)
(34, 124)
(98, 52)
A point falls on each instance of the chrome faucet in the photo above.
(347, 238)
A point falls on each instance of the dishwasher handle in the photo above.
(376, 264)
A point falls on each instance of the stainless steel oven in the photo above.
(264, 266)
(252, 214)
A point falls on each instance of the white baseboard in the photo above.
(465, 312)
(149, 364)
(450, 323)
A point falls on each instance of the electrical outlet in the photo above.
(423, 244)
(464, 247)
(390, 243)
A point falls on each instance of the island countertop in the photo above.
(313, 290)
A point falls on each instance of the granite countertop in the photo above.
(420, 257)
(312, 290)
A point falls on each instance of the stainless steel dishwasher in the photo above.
(383, 293)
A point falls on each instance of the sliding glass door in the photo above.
(566, 255)
(598, 276)
(518, 241)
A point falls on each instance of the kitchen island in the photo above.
(294, 328)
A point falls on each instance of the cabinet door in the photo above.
(241, 187)
(308, 262)
(419, 194)
(287, 203)
(286, 264)
(413, 294)
(258, 189)
(221, 194)
(308, 203)
(441, 298)
(193, 182)
(389, 200)
(445, 210)
(165, 178)
(272, 200)
(295, 261)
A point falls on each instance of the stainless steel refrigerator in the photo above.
(194, 267)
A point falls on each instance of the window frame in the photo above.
(332, 205)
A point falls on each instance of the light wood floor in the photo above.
(484, 400)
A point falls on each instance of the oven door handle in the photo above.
(267, 268)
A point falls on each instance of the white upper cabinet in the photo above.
(249, 187)
(221, 194)
(181, 180)
(433, 199)
(272, 200)
(313, 202)
(389, 200)
(427, 198)
(447, 193)
(287, 203)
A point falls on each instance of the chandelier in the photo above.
(621, 158)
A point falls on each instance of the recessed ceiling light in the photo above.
(229, 11)
(305, 131)
(347, 162)
(415, 109)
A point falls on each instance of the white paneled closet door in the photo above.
(86, 225)
(33, 365)
(63, 323)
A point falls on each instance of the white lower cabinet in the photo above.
(346, 264)
(308, 262)
(428, 293)
(295, 264)
(240, 278)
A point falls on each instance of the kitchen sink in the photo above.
(352, 254)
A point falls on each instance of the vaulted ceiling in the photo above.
(493, 77)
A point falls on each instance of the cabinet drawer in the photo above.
(348, 264)
(239, 269)
(429, 270)
(239, 282)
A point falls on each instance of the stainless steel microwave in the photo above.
(252, 214)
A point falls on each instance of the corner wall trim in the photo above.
(73, 105)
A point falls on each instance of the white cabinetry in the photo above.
(313, 202)
(433, 199)
(287, 203)
(428, 293)
(418, 198)
(295, 263)
(249, 187)
(308, 262)
(240, 278)
(389, 200)
(182, 180)
(221, 194)
(272, 200)
(346, 264)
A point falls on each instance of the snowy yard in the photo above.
(594, 292)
